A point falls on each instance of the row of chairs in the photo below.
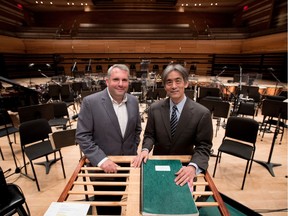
(37, 140)
(241, 134)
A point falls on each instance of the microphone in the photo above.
(224, 68)
(74, 66)
(271, 69)
(31, 65)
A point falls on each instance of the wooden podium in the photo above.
(79, 187)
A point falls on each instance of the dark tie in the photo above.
(174, 120)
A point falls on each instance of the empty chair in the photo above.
(161, 93)
(63, 138)
(35, 144)
(38, 111)
(67, 96)
(239, 140)
(7, 128)
(61, 115)
(208, 92)
(54, 92)
(190, 94)
(252, 92)
(246, 108)
(12, 198)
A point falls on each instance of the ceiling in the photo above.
(90, 5)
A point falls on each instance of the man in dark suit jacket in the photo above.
(194, 129)
(109, 122)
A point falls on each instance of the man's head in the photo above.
(175, 80)
(117, 81)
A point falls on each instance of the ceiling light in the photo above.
(51, 3)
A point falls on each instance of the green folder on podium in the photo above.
(159, 193)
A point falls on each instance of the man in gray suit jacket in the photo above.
(194, 131)
(109, 122)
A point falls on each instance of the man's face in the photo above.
(175, 86)
(118, 83)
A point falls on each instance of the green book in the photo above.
(159, 193)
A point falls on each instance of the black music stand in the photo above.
(279, 110)
(218, 108)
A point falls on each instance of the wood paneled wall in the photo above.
(18, 53)
(264, 44)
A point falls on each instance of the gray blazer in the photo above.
(98, 132)
(193, 134)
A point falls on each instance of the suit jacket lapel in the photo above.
(165, 115)
(130, 112)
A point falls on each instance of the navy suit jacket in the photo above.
(98, 132)
(193, 134)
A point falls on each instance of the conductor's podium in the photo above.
(80, 189)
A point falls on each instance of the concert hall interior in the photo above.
(235, 52)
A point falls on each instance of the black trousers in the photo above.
(109, 210)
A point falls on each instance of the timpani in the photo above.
(80, 187)
(273, 90)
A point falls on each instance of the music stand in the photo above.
(277, 109)
(218, 108)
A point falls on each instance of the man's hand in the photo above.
(143, 156)
(109, 166)
(184, 175)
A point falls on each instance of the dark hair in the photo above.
(175, 67)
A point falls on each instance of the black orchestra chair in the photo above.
(54, 92)
(208, 92)
(274, 115)
(12, 198)
(246, 108)
(61, 116)
(35, 144)
(252, 92)
(239, 141)
(67, 96)
(27, 113)
(190, 94)
(7, 128)
(63, 138)
(77, 89)
(161, 93)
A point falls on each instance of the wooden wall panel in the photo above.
(266, 44)
(11, 45)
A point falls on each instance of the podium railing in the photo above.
(79, 187)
